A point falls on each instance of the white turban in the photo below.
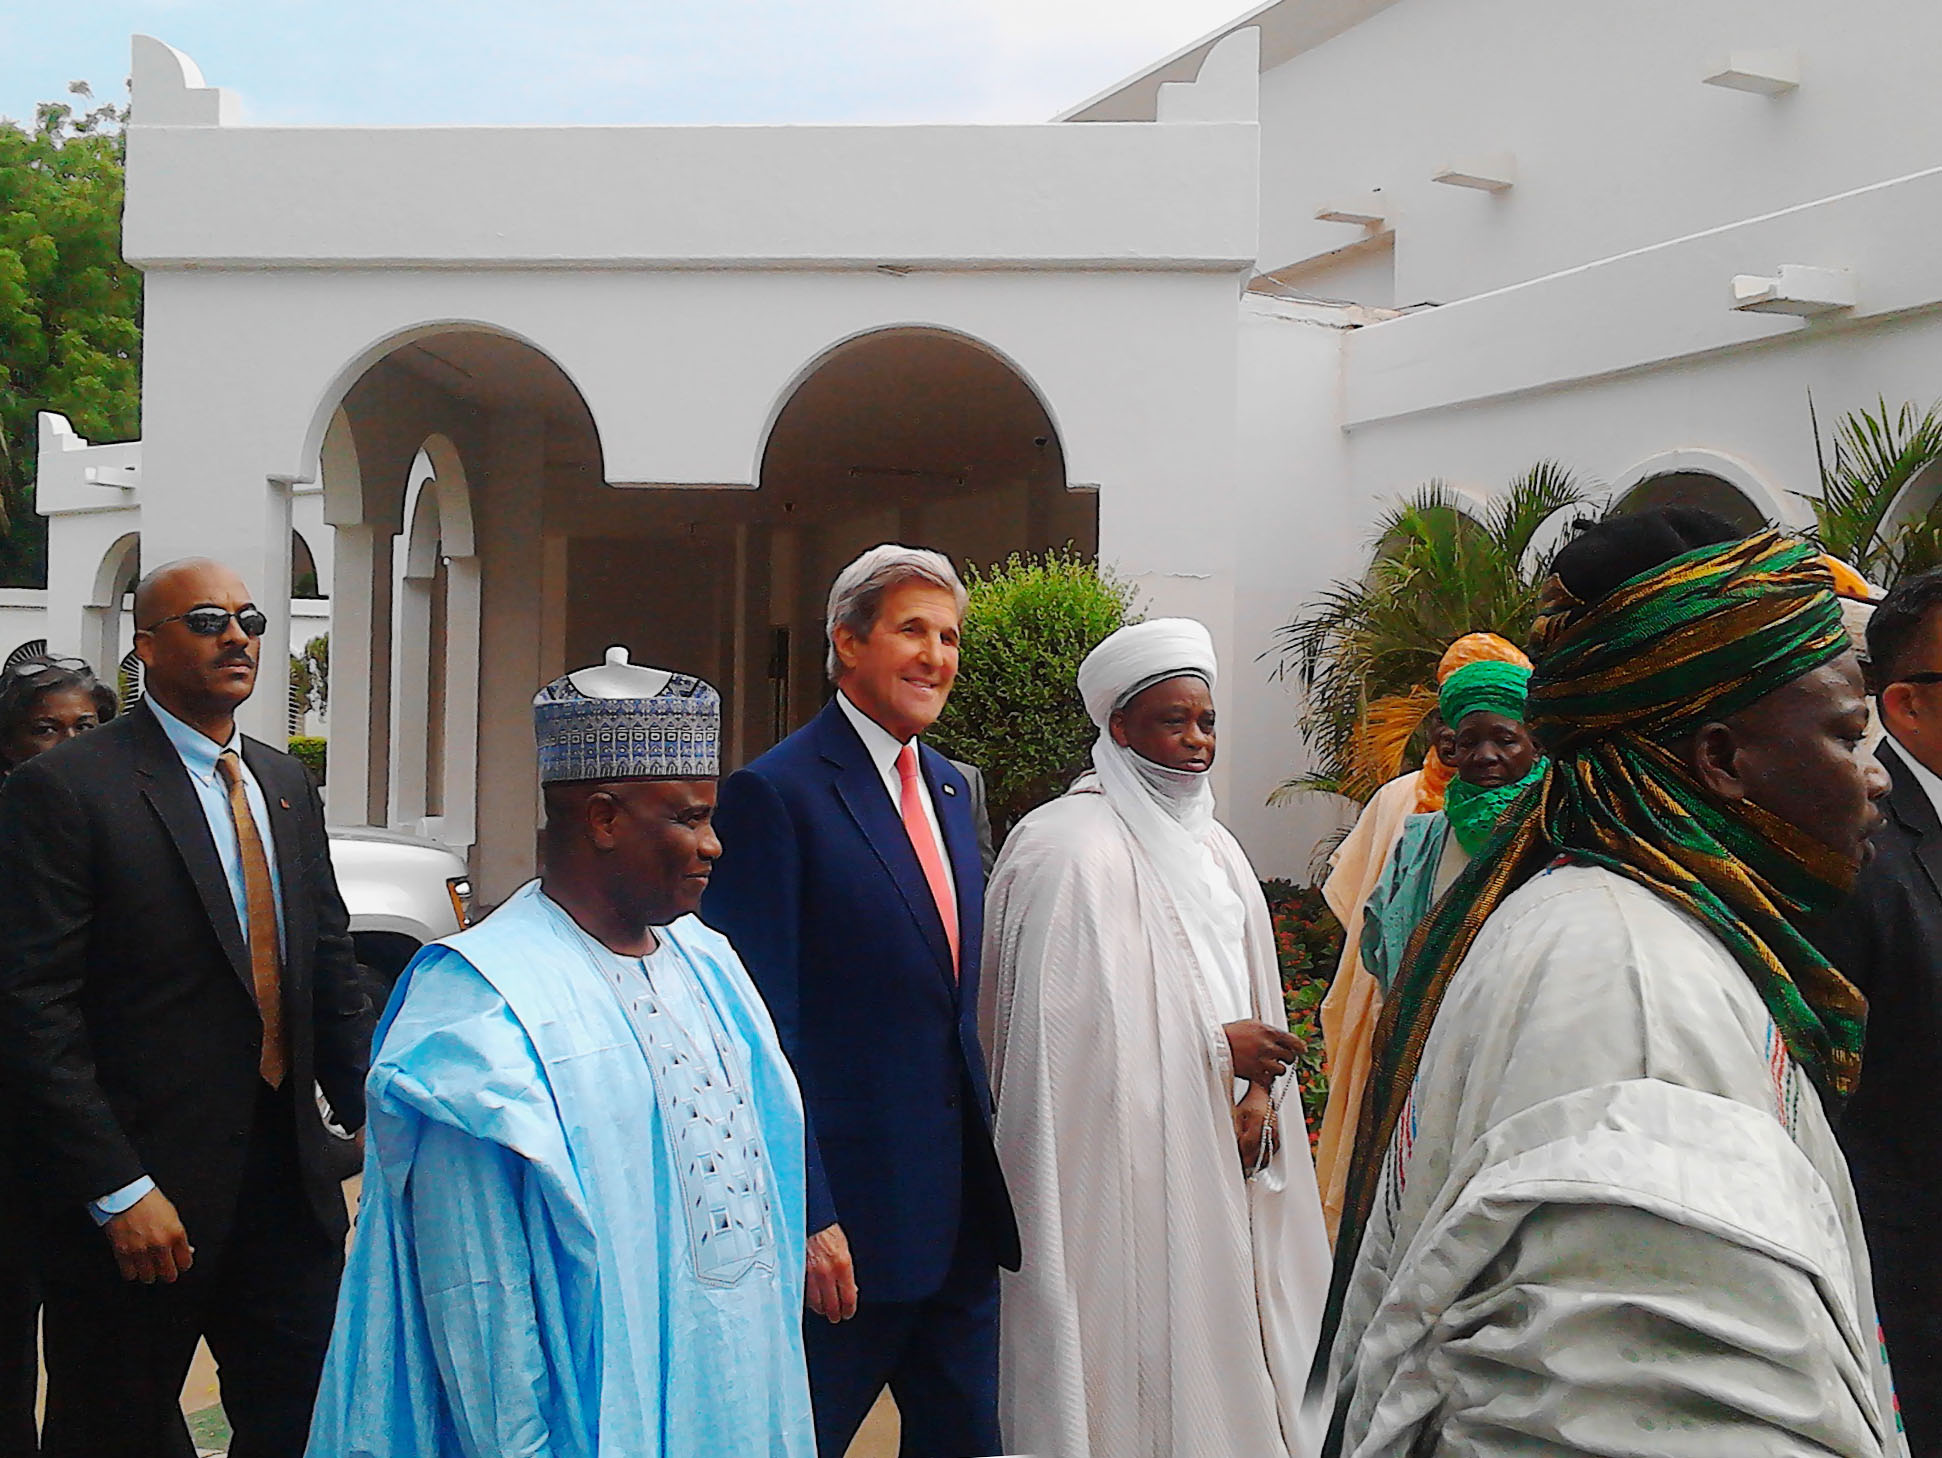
(1140, 656)
(1170, 812)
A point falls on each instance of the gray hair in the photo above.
(856, 597)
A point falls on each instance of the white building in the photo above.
(91, 496)
(556, 387)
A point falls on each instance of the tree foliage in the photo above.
(310, 677)
(1859, 514)
(70, 309)
(1015, 712)
(1365, 652)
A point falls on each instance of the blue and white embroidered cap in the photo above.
(624, 721)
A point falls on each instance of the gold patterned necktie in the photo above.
(259, 895)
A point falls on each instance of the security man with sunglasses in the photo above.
(1887, 941)
(176, 983)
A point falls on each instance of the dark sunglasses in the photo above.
(44, 662)
(213, 622)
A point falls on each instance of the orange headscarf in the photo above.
(1470, 648)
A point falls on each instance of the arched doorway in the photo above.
(915, 435)
(107, 632)
(304, 580)
(441, 465)
(441, 634)
(435, 651)
(1693, 488)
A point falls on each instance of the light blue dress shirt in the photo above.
(199, 754)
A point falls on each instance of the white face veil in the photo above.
(1170, 812)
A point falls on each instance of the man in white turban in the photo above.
(1175, 1263)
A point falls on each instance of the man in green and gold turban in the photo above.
(1484, 739)
(1596, 1205)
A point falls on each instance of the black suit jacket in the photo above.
(1887, 940)
(128, 1019)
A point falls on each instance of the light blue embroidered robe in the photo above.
(575, 1237)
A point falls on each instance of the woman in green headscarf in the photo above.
(1483, 738)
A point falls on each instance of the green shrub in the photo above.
(1015, 712)
(1308, 942)
(310, 751)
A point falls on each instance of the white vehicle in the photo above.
(402, 891)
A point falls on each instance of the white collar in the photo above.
(883, 747)
(197, 750)
(1927, 778)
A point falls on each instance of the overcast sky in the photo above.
(540, 61)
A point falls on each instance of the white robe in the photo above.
(1167, 1307)
(1614, 1219)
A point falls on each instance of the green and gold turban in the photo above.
(1618, 684)
(1494, 688)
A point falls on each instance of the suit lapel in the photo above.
(1909, 803)
(166, 786)
(862, 792)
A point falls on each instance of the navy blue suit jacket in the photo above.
(823, 897)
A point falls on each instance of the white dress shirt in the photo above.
(883, 750)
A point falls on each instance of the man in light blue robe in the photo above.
(581, 1230)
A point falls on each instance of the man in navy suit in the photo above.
(851, 885)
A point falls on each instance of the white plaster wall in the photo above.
(683, 371)
(23, 617)
(1639, 356)
(1746, 410)
(687, 196)
(1293, 524)
(307, 519)
(1617, 143)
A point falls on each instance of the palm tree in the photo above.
(1876, 455)
(1366, 652)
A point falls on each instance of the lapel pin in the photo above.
(950, 789)
(284, 803)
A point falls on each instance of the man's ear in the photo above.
(1116, 726)
(602, 811)
(144, 646)
(1713, 754)
(848, 646)
(1443, 741)
(1900, 706)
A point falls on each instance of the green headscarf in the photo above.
(1691, 641)
(1483, 688)
(1488, 687)
(1474, 810)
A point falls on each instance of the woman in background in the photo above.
(44, 701)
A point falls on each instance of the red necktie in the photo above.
(918, 828)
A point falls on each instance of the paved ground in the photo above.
(877, 1438)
